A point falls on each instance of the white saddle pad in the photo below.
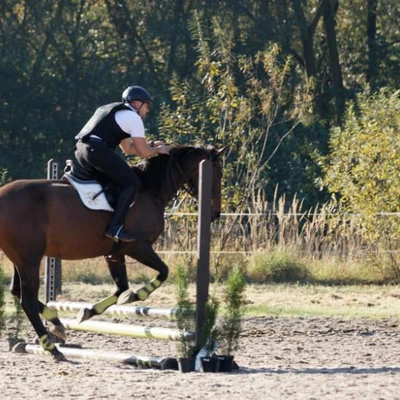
(89, 194)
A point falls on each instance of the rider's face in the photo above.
(143, 110)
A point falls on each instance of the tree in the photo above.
(243, 101)
(363, 169)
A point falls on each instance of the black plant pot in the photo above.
(209, 364)
(186, 364)
(225, 363)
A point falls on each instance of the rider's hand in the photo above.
(162, 149)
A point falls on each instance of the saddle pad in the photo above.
(89, 193)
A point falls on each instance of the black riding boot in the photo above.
(115, 228)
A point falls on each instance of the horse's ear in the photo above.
(219, 152)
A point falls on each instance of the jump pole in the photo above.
(97, 355)
(142, 332)
(118, 311)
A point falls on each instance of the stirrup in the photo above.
(119, 236)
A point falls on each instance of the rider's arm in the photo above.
(140, 147)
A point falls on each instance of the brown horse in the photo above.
(42, 217)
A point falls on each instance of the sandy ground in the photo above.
(279, 358)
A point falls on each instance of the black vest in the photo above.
(103, 124)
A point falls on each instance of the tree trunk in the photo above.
(334, 64)
(306, 35)
(371, 43)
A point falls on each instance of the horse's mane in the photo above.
(152, 171)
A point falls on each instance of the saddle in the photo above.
(96, 191)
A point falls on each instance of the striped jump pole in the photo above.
(111, 328)
(118, 311)
(97, 355)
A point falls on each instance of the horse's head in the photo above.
(190, 169)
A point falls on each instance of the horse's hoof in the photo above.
(57, 355)
(57, 335)
(85, 314)
(19, 347)
(127, 297)
(15, 342)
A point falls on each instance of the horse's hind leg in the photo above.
(29, 291)
(49, 314)
(116, 266)
(145, 254)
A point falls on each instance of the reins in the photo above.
(187, 187)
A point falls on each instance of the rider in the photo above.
(112, 125)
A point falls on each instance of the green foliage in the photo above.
(351, 32)
(3, 177)
(2, 301)
(236, 106)
(233, 300)
(209, 334)
(363, 167)
(277, 266)
(184, 315)
(235, 73)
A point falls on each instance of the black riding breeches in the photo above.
(95, 154)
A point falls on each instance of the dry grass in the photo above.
(329, 245)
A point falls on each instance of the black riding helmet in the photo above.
(132, 93)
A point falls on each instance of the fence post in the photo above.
(53, 278)
(203, 246)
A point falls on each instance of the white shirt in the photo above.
(130, 122)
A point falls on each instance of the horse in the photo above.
(47, 218)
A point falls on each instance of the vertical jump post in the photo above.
(203, 246)
(53, 265)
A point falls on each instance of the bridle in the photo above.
(188, 186)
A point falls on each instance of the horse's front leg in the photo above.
(116, 266)
(144, 253)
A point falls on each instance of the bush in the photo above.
(184, 316)
(233, 300)
(3, 177)
(363, 167)
(278, 267)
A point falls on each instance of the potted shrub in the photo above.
(185, 322)
(231, 324)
